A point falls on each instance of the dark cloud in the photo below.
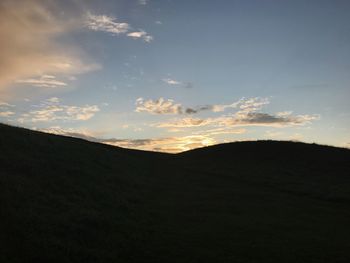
(243, 119)
(265, 118)
(198, 109)
(188, 85)
(255, 117)
(190, 111)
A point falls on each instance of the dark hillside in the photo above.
(283, 152)
(309, 169)
(69, 200)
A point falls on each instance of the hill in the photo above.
(68, 200)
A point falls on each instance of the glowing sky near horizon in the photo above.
(175, 75)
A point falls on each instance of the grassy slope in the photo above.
(68, 200)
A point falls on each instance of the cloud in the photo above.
(140, 34)
(167, 106)
(220, 131)
(142, 2)
(297, 137)
(249, 119)
(251, 104)
(5, 104)
(167, 144)
(159, 106)
(221, 108)
(78, 133)
(245, 105)
(162, 106)
(247, 115)
(30, 46)
(172, 81)
(109, 24)
(185, 123)
(273, 134)
(199, 109)
(52, 110)
(265, 119)
(44, 81)
(6, 113)
(6, 109)
(106, 23)
(190, 111)
(188, 85)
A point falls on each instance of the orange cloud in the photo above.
(52, 110)
(167, 144)
(29, 45)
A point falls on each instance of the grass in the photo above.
(69, 200)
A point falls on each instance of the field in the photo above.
(68, 200)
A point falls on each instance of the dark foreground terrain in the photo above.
(69, 200)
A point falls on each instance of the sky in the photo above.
(173, 75)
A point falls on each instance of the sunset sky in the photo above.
(172, 75)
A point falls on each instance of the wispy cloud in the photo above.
(110, 24)
(72, 132)
(44, 81)
(188, 85)
(142, 2)
(265, 119)
(29, 31)
(52, 110)
(168, 106)
(6, 109)
(6, 113)
(248, 114)
(250, 119)
(5, 104)
(185, 123)
(140, 34)
(159, 106)
(249, 105)
(273, 134)
(107, 24)
(245, 105)
(173, 82)
(221, 131)
(166, 144)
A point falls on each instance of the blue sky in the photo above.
(175, 75)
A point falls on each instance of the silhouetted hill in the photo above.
(69, 200)
(270, 150)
